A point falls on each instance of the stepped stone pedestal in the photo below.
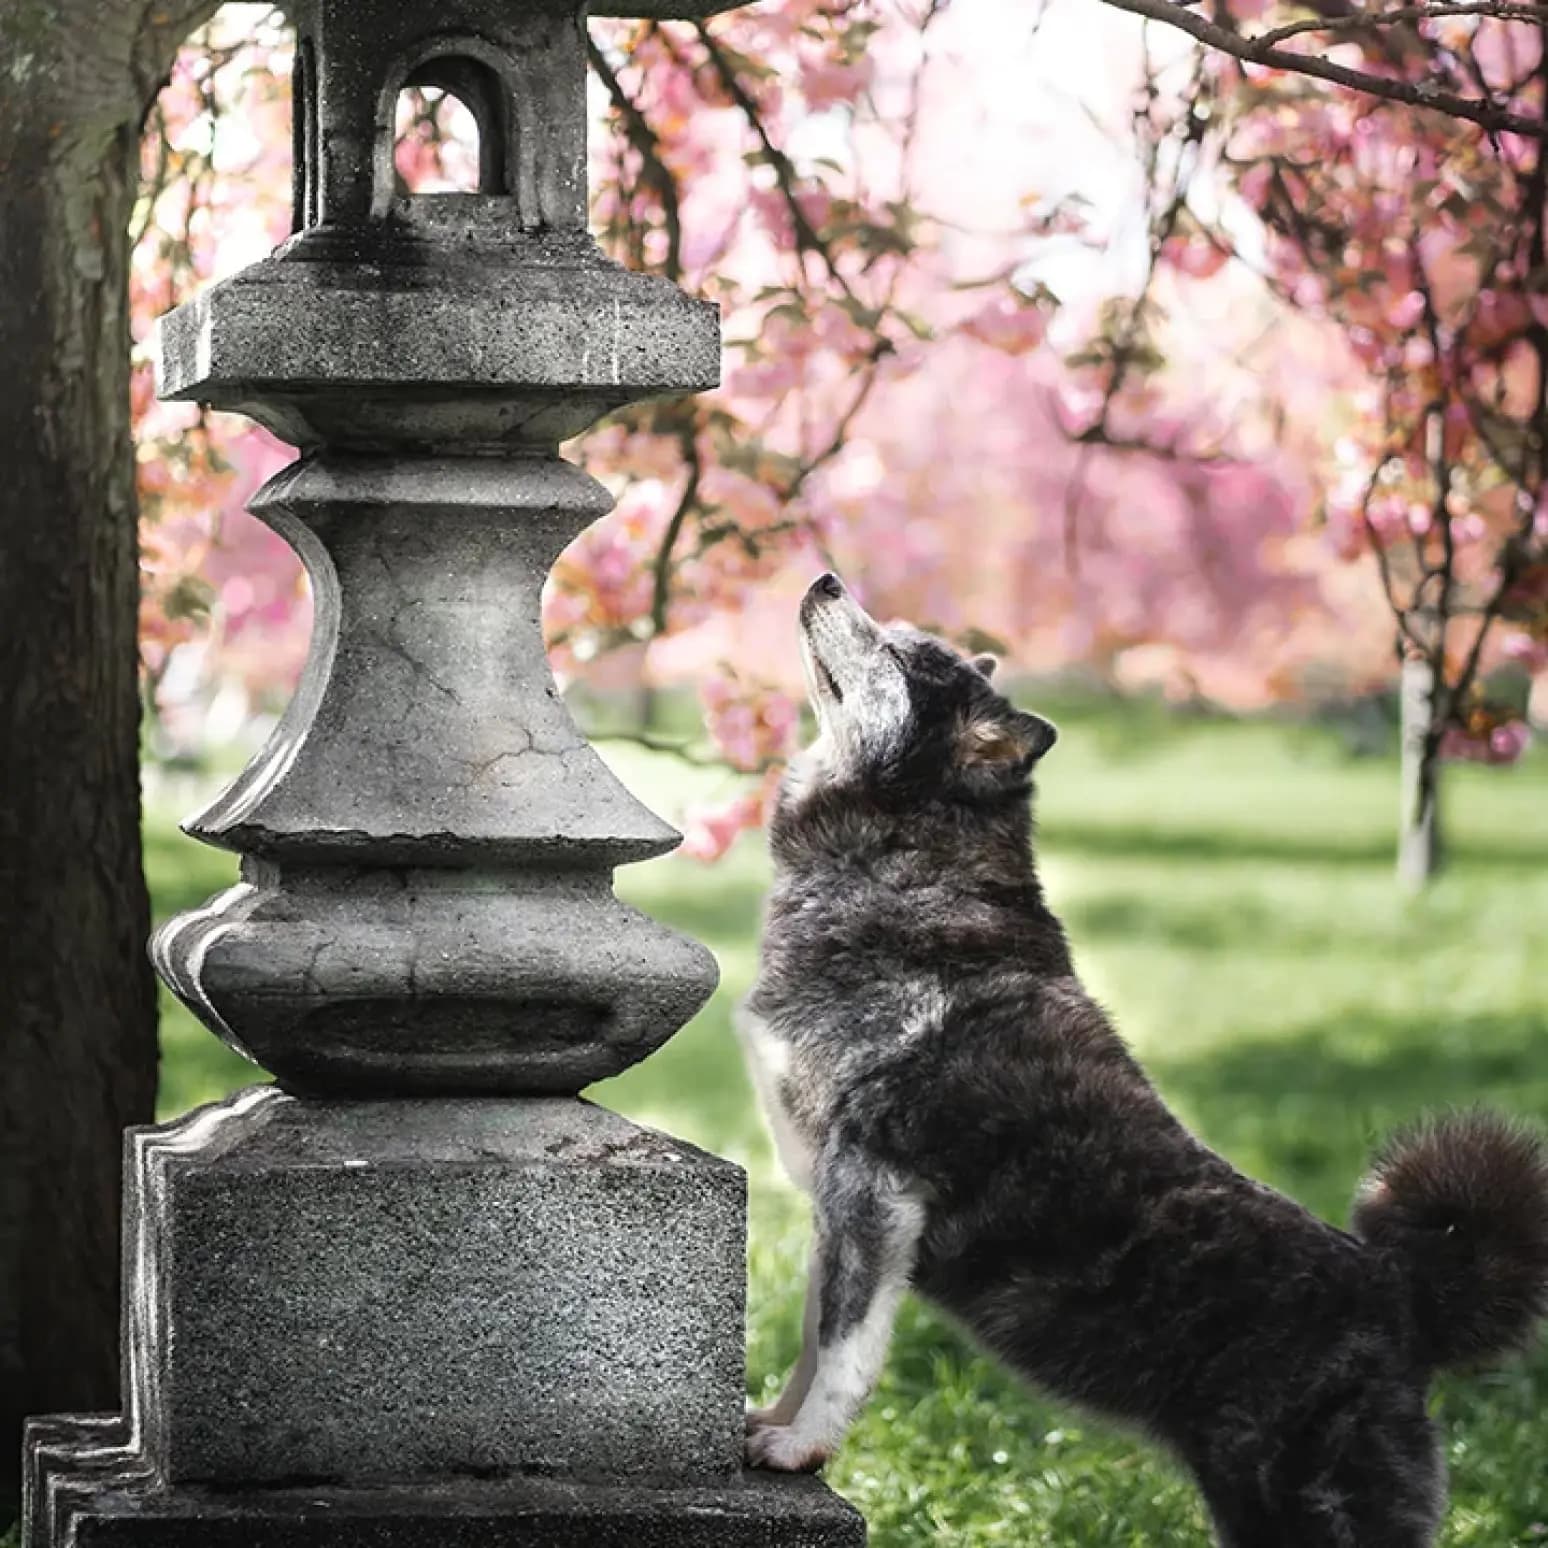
(419, 1292)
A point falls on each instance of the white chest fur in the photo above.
(768, 1063)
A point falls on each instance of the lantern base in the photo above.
(88, 1492)
(380, 1292)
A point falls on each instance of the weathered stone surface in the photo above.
(520, 69)
(438, 347)
(388, 1291)
(511, 343)
(69, 1456)
(518, 65)
(427, 734)
(353, 981)
(429, 904)
(748, 1510)
(427, 728)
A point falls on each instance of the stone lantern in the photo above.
(418, 1292)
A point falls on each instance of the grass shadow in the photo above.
(1303, 1109)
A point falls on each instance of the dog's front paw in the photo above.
(781, 1449)
(760, 1418)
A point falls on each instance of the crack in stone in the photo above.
(479, 767)
(412, 965)
(396, 647)
(598, 1150)
(309, 972)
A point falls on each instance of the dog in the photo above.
(969, 1124)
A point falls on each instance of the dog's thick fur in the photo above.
(969, 1124)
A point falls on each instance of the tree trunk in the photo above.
(79, 1011)
(1419, 825)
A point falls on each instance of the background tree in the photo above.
(80, 1048)
(1419, 238)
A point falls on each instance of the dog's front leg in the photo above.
(867, 1230)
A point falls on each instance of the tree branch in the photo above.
(683, 751)
(1254, 50)
(807, 238)
(661, 589)
(647, 145)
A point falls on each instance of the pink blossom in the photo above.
(1468, 527)
(1406, 312)
(1009, 324)
(1195, 256)
(708, 832)
(1508, 742)
(748, 502)
(826, 83)
(1502, 743)
(752, 724)
(1526, 652)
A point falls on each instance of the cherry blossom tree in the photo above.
(894, 403)
(80, 998)
(1418, 238)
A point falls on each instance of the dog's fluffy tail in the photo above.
(1461, 1202)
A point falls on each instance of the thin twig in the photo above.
(687, 752)
(1357, 21)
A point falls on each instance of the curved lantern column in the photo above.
(417, 1292)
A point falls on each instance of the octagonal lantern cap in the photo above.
(520, 345)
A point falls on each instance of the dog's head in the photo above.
(901, 711)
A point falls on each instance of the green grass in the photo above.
(1229, 891)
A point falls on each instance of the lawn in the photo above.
(1228, 890)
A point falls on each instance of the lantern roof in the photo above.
(488, 317)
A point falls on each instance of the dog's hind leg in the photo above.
(1295, 1525)
(867, 1231)
(1373, 1479)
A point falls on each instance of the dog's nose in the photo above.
(828, 585)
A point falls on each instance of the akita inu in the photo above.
(969, 1124)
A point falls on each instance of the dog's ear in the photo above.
(1041, 734)
(1014, 741)
(984, 663)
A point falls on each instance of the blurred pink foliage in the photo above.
(1069, 483)
(1419, 239)
(753, 728)
(223, 600)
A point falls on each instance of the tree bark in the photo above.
(79, 1011)
(1419, 823)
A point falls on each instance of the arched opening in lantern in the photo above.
(449, 132)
